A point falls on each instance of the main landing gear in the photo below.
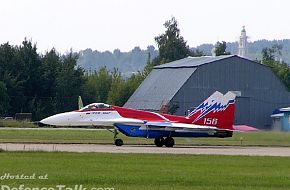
(159, 142)
(117, 142)
(168, 142)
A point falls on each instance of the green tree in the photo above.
(220, 49)
(69, 83)
(270, 54)
(98, 85)
(50, 66)
(148, 68)
(46, 105)
(7, 60)
(171, 44)
(4, 99)
(9, 76)
(104, 82)
(196, 53)
(40, 84)
(121, 89)
(281, 69)
(115, 94)
(22, 76)
(91, 88)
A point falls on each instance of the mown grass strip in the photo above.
(146, 171)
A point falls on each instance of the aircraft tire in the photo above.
(159, 142)
(119, 142)
(169, 142)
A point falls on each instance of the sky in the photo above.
(124, 24)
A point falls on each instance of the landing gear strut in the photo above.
(117, 142)
(168, 142)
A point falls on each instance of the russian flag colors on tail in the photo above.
(217, 110)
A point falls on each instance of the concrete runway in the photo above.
(208, 150)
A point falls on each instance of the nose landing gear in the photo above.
(117, 142)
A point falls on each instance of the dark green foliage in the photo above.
(51, 83)
(171, 44)
(50, 66)
(196, 53)
(69, 83)
(98, 86)
(3, 98)
(281, 69)
(110, 87)
(38, 84)
(47, 84)
(173, 108)
(270, 54)
(21, 75)
(121, 89)
(220, 49)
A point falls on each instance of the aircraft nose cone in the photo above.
(45, 121)
(49, 121)
(62, 119)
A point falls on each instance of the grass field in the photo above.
(139, 171)
(105, 137)
(14, 123)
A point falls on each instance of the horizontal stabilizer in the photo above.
(245, 128)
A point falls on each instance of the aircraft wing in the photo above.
(168, 126)
(178, 126)
(127, 121)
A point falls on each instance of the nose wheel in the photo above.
(117, 142)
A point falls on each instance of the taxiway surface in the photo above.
(209, 150)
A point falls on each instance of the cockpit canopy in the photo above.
(95, 106)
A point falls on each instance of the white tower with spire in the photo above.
(243, 43)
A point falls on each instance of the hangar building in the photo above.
(187, 82)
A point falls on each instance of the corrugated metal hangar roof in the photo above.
(159, 88)
(192, 61)
(189, 81)
(165, 80)
(196, 61)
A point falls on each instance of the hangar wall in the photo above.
(261, 90)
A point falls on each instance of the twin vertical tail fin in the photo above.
(80, 103)
(217, 110)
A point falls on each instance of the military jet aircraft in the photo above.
(212, 118)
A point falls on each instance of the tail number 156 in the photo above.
(210, 121)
